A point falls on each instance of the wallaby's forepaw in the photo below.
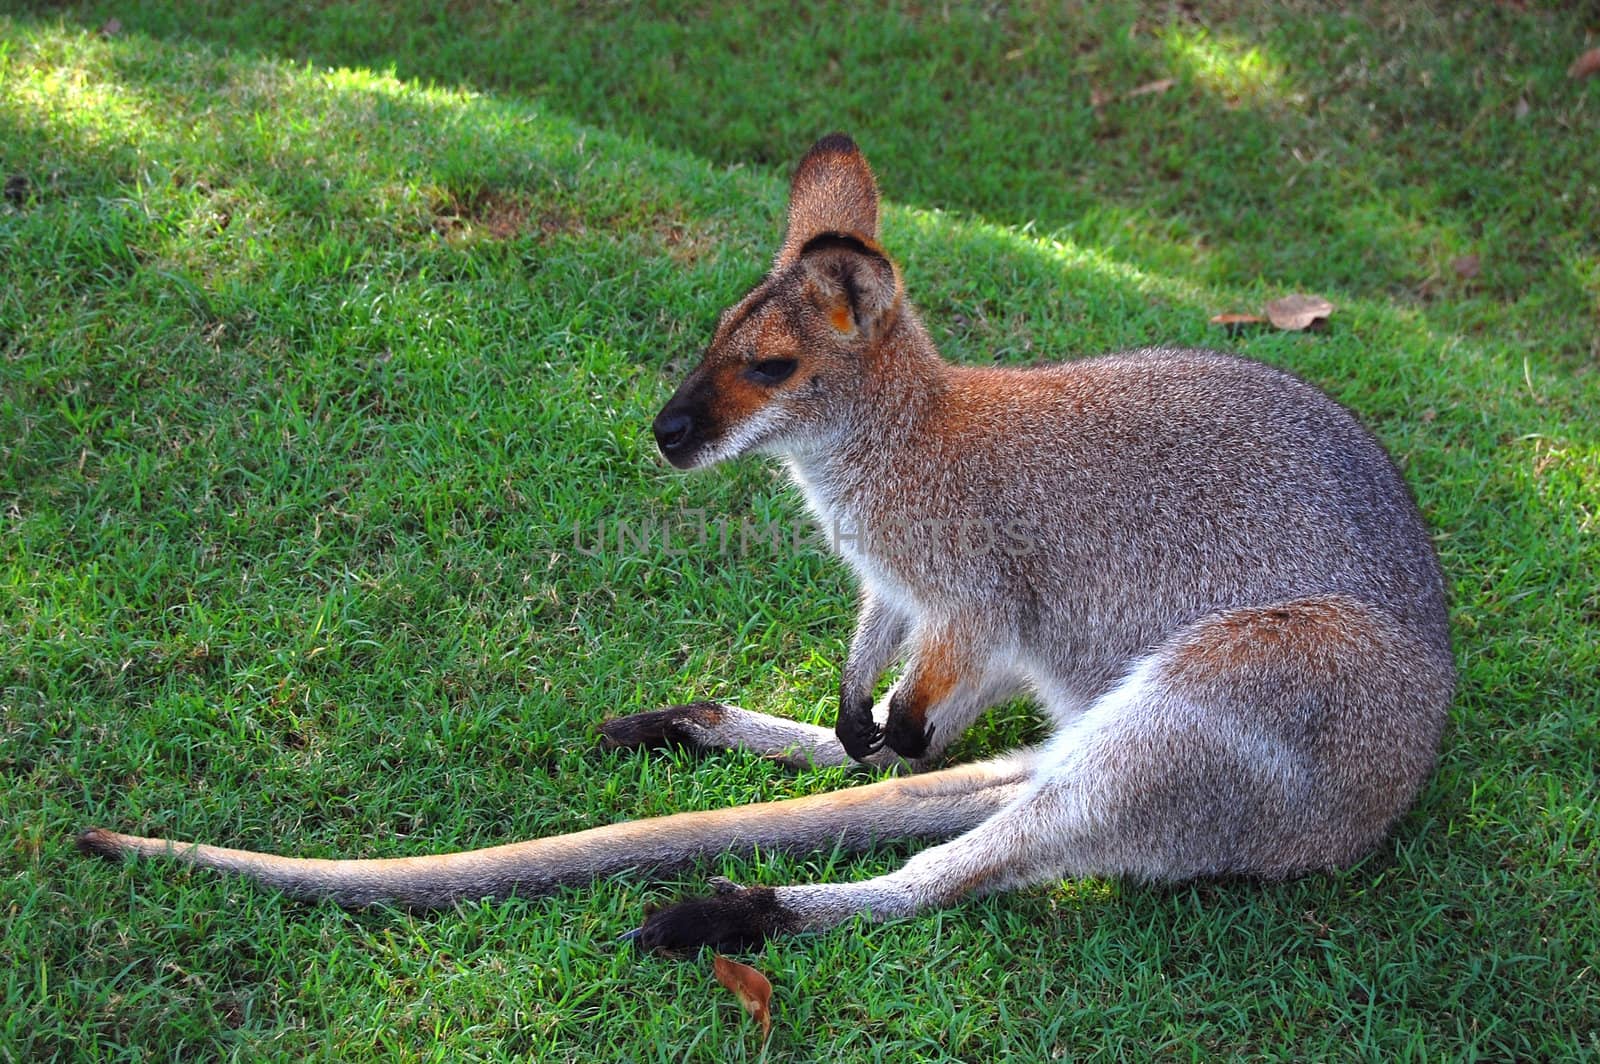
(907, 737)
(686, 725)
(906, 732)
(734, 918)
(858, 733)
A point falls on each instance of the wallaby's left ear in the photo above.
(833, 191)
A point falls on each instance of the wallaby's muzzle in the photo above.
(684, 426)
(674, 432)
(695, 428)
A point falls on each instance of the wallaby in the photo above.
(1208, 574)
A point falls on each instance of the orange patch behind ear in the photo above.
(840, 316)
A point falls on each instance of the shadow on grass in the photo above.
(1357, 150)
(482, 165)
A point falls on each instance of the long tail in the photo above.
(938, 805)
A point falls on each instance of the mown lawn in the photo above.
(324, 327)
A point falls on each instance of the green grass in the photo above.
(321, 327)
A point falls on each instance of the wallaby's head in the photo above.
(788, 361)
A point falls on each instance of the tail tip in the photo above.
(98, 842)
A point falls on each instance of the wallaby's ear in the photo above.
(854, 286)
(833, 191)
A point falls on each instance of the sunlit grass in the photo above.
(1240, 73)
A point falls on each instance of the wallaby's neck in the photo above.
(905, 380)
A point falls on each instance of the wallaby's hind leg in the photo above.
(1262, 741)
(718, 726)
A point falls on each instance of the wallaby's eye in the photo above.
(771, 370)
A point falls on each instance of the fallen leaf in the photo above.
(1466, 266)
(1237, 319)
(1100, 97)
(1522, 109)
(1586, 65)
(1297, 312)
(1151, 87)
(112, 27)
(752, 989)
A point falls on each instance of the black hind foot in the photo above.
(688, 726)
(733, 919)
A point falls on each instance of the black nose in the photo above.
(672, 430)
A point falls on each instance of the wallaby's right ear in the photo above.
(833, 191)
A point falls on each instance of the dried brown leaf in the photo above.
(753, 989)
(1586, 65)
(1466, 266)
(1298, 311)
(1150, 88)
(111, 28)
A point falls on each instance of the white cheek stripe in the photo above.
(742, 439)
